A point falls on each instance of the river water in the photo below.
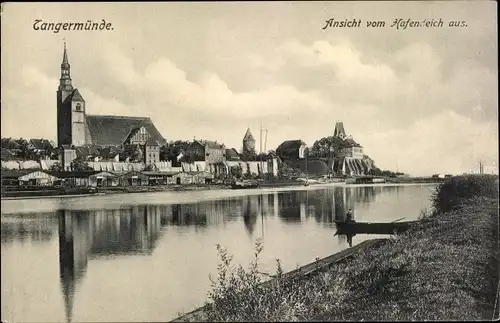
(147, 257)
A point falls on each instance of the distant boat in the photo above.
(244, 185)
(364, 180)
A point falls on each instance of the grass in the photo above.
(443, 269)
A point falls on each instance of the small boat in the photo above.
(350, 227)
(364, 180)
(244, 185)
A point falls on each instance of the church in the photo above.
(76, 128)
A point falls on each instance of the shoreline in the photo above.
(444, 268)
(102, 191)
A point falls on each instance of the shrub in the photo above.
(451, 193)
(239, 295)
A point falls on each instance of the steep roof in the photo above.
(151, 142)
(232, 153)
(112, 130)
(74, 96)
(15, 173)
(108, 152)
(339, 130)
(290, 145)
(10, 143)
(41, 143)
(351, 143)
(248, 136)
(86, 151)
(214, 144)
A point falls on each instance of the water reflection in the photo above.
(86, 235)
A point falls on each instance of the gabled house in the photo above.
(232, 155)
(211, 152)
(292, 150)
(352, 149)
(151, 150)
(109, 154)
(40, 147)
(149, 144)
(89, 153)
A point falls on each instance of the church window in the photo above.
(78, 107)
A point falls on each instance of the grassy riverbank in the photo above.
(445, 270)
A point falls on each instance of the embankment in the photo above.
(445, 269)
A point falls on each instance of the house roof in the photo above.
(10, 143)
(74, 96)
(113, 130)
(232, 153)
(15, 173)
(85, 151)
(41, 144)
(214, 144)
(108, 151)
(151, 142)
(248, 136)
(153, 173)
(290, 145)
(76, 174)
(351, 143)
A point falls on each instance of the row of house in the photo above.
(103, 178)
(141, 147)
(13, 149)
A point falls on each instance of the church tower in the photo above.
(70, 109)
(339, 130)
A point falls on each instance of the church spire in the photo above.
(65, 80)
(65, 55)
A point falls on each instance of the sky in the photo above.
(419, 100)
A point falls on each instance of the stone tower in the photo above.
(248, 143)
(70, 109)
(339, 130)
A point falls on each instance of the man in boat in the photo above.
(348, 217)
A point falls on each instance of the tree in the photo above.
(150, 167)
(24, 152)
(79, 164)
(324, 146)
(236, 171)
(56, 167)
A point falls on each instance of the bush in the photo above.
(238, 295)
(454, 191)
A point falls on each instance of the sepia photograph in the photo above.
(249, 161)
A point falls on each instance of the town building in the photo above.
(348, 160)
(76, 128)
(292, 150)
(40, 146)
(211, 152)
(232, 155)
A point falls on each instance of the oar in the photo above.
(397, 220)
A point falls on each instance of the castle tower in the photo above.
(248, 143)
(339, 130)
(70, 109)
